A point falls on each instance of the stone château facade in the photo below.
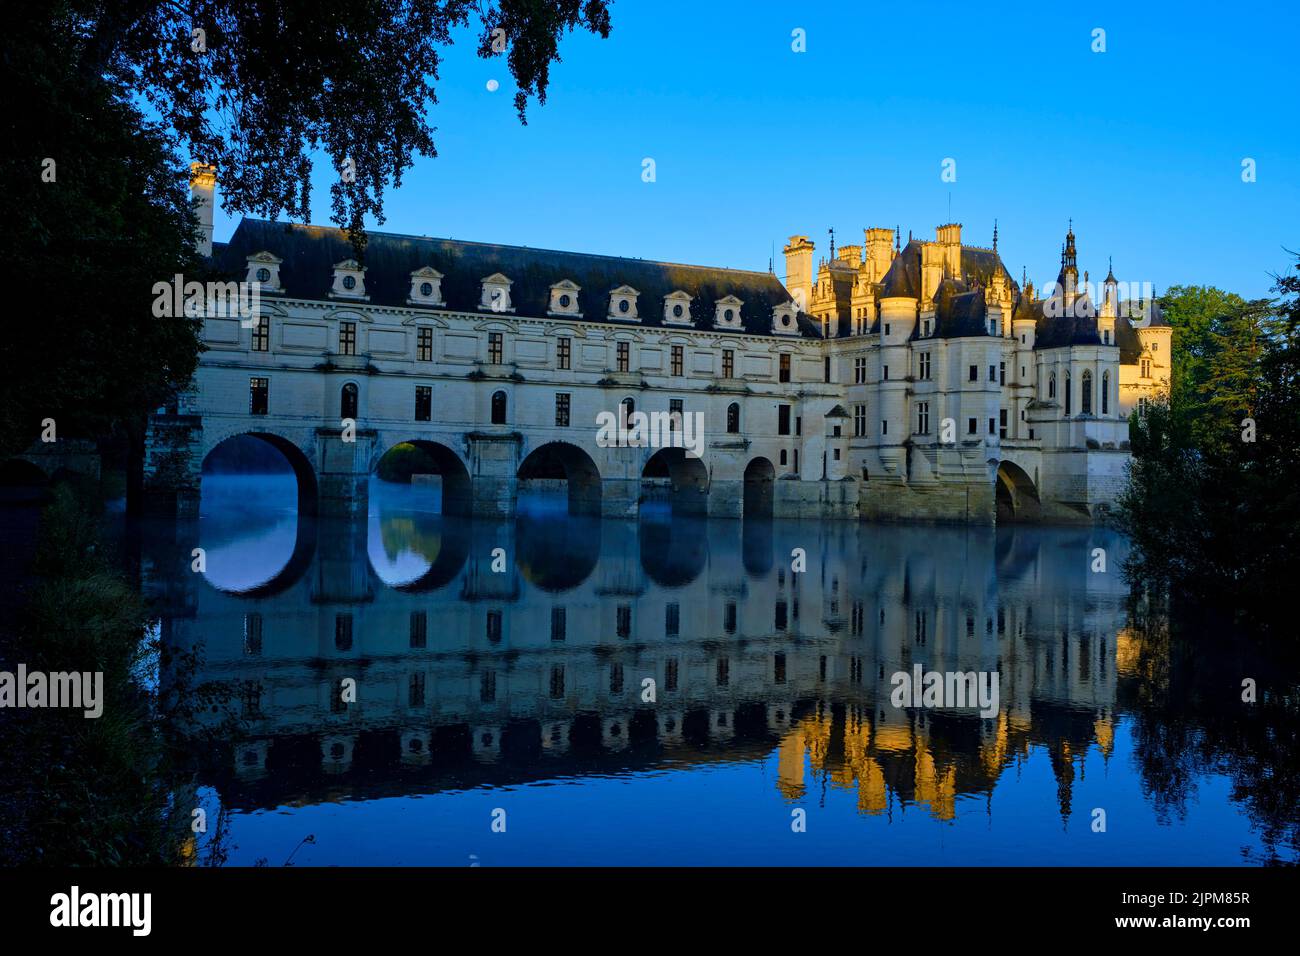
(915, 381)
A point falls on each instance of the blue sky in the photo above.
(1142, 144)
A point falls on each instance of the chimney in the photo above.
(203, 184)
(798, 270)
(949, 239)
(879, 253)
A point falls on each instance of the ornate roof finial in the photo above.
(897, 234)
(832, 232)
(995, 235)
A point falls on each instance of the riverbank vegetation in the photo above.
(1213, 503)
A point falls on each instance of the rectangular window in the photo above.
(343, 632)
(859, 421)
(784, 456)
(419, 628)
(558, 623)
(886, 328)
(974, 374)
(625, 620)
(494, 627)
(826, 369)
(487, 687)
(670, 674)
(972, 426)
(677, 359)
(783, 419)
(1002, 423)
(424, 344)
(923, 418)
(262, 334)
(676, 414)
(778, 669)
(496, 347)
(415, 694)
(729, 617)
(884, 427)
(615, 679)
(993, 373)
(672, 620)
(859, 371)
(624, 355)
(925, 328)
(424, 403)
(252, 634)
(923, 365)
(1002, 373)
(796, 461)
(563, 352)
(728, 363)
(783, 372)
(347, 338)
(884, 373)
(798, 424)
(781, 616)
(259, 395)
(993, 425)
(562, 409)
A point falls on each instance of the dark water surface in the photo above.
(517, 696)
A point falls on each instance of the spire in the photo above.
(1110, 275)
(995, 235)
(832, 232)
(897, 240)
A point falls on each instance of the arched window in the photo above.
(1068, 404)
(1085, 398)
(498, 408)
(348, 401)
(733, 419)
(1105, 392)
(1051, 386)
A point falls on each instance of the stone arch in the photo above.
(678, 478)
(560, 461)
(1016, 494)
(299, 462)
(305, 533)
(453, 475)
(760, 481)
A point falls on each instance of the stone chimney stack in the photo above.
(879, 253)
(949, 238)
(798, 270)
(203, 185)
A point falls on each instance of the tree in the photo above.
(256, 88)
(111, 91)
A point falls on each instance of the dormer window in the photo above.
(622, 304)
(677, 308)
(264, 269)
(426, 287)
(349, 280)
(564, 298)
(496, 294)
(726, 313)
(784, 319)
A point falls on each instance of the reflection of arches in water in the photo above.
(229, 454)
(557, 553)
(304, 552)
(673, 553)
(443, 541)
(760, 477)
(678, 478)
(756, 541)
(559, 461)
(1017, 498)
(405, 459)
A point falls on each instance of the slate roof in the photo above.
(310, 252)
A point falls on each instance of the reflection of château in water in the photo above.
(466, 675)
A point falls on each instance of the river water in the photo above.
(414, 689)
